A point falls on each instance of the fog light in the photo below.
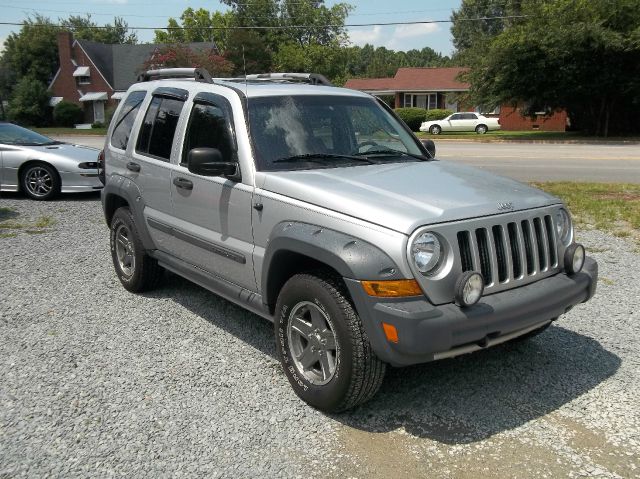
(574, 258)
(469, 288)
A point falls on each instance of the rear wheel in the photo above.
(481, 129)
(40, 181)
(136, 270)
(435, 130)
(322, 345)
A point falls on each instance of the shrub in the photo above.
(67, 114)
(438, 114)
(97, 124)
(108, 115)
(29, 103)
(413, 117)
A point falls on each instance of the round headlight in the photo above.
(426, 251)
(469, 288)
(563, 226)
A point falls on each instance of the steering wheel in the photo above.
(367, 143)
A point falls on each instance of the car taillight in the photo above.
(101, 175)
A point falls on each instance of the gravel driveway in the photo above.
(97, 382)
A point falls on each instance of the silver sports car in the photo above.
(41, 167)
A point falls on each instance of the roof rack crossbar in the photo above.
(198, 74)
(312, 78)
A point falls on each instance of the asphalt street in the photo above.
(609, 163)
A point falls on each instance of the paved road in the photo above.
(525, 161)
(549, 162)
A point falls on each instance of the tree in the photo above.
(29, 104)
(578, 55)
(85, 29)
(176, 56)
(197, 26)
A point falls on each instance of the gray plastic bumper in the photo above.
(427, 332)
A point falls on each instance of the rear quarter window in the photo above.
(126, 118)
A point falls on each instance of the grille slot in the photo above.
(464, 242)
(515, 250)
(551, 241)
(483, 251)
(526, 236)
(498, 241)
(541, 244)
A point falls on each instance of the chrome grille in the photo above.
(512, 251)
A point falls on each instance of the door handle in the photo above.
(183, 183)
(133, 166)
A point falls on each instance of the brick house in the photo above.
(432, 88)
(96, 75)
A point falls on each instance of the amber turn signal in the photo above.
(390, 332)
(392, 289)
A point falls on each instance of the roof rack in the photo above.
(311, 78)
(198, 74)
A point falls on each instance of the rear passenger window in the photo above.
(209, 126)
(159, 127)
(124, 122)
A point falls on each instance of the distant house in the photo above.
(96, 75)
(432, 88)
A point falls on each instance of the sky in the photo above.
(154, 13)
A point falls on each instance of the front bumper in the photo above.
(427, 332)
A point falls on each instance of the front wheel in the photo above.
(435, 130)
(322, 345)
(40, 181)
(481, 129)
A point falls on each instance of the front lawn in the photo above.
(70, 131)
(522, 136)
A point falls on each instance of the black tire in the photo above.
(143, 272)
(481, 129)
(40, 181)
(358, 371)
(435, 130)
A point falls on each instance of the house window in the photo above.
(83, 80)
(428, 101)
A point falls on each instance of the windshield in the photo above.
(302, 132)
(11, 134)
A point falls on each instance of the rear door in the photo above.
(212, 214)
(150, 165)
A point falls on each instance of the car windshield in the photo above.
(308, 131)
(16, 135)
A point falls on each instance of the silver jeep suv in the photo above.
(318, 209)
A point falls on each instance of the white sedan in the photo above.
(461, 122)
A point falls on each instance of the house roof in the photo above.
(414, 79)
(121, 64)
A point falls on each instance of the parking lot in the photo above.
(178, 382)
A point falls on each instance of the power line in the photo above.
(277, 27)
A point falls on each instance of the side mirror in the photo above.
(430, 147)
(209, 162)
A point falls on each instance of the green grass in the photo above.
(612, 207)
(522, 136)
(10, 229)
(70, 131)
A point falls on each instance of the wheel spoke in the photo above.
(308, 357)
(301, 327)
(317, 319)
(325, 365)
(329, 340)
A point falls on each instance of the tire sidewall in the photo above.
(55, 182)
(330, 395)
(435, 130)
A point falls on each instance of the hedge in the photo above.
(438, 114)
(67, 114)
(413, 117)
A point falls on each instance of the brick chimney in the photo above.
(65, 40)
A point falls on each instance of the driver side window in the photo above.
(209, 127)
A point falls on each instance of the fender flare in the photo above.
(120, 187)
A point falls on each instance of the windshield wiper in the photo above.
(318, 157)
(392, 152)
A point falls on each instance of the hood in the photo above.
(63, 156)
(404, 196)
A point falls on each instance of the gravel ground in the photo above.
(98, 382)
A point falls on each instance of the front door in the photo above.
(98, 112)
(212, 215)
